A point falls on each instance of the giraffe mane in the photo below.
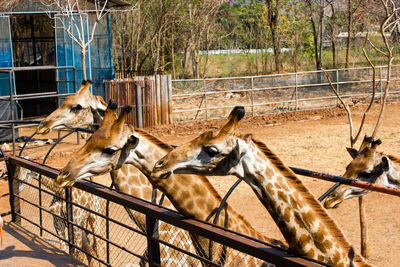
(154, 140)
(212, 190)
(310, 199)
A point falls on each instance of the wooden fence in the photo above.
(149, 96)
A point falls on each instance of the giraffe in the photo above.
(82, 110)
(135, 184)
(367, 165)
(192, 195)
(78, 110)
(304, 223)
(86, 242)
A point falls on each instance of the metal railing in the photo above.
(13, 97)
(31, 208)
(213, 98)
(123, 242)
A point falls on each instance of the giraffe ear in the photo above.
(228, 164)
(353, 152)
(100, 104)
(85, 85)
(385, 163)
(131, 144)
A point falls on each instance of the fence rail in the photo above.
(212, 98)
(124, 243)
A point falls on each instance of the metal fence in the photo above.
(91, 222)
(107, 236)
(211, 98)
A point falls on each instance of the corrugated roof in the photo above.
(28, 6)
(118, 3)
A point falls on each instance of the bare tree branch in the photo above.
(347, 108)
(75, 21)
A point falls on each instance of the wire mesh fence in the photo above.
(211, 98)
(91, 223)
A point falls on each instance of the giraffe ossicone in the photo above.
(304, 223)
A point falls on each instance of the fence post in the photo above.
(170, 99)
(139, 105)
(40, 205)
(13, 187)
(296, 92)
(380, 84)
(205, 97)
(159, 102)
(337, 86)
(108, 230)
(70, 219)
(252, 96)
(153, 246)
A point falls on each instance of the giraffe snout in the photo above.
(63, 179)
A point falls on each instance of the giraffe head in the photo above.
(78, 110)
(103, 152)
(209, 154)
(367, 165)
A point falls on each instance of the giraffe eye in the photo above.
(109, 151)
(365, 174)
(211, 151)
(76, 109)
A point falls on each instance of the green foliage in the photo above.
(169, 35)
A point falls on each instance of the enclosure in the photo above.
(316, 141)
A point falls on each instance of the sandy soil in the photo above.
(314, 140)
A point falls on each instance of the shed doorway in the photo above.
(34, 45)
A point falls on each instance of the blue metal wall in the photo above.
(6, 54)
(98, 56)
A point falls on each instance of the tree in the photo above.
(273, 10)
(75, 21)
(316, 11)
(332, 28)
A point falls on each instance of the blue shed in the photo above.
(29, 39)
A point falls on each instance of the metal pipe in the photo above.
(347, 181)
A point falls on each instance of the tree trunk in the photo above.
(321, 32)
(363, 226)
(296, 51)
(162, 65)
(315, 35)
(138, 37)
(173, 52)
(123, 52)
(333, 37)
(194, 65)
(132, 45)
(273, 14)
(349, 27)
(157, 53)
(83, 53)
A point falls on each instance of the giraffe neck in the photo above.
(192, 195)
(392, 177)
(304, 223)
(50, 184)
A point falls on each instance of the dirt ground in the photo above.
(314, 140)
